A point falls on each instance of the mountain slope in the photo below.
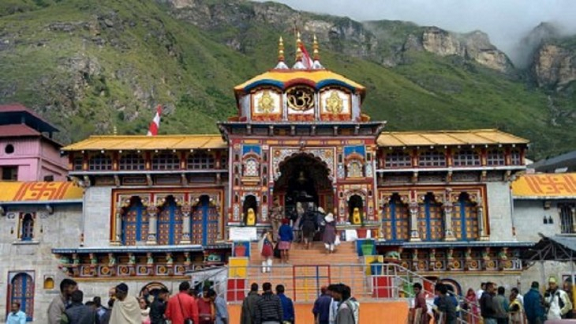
(91, 65)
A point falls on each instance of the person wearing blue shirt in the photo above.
(220, 306)
(533, 305)
(16, 316)
(287, 305)
(322, 305)
(286, 235)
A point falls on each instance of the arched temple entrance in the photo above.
(304, 178)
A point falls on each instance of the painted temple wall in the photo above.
(529, 219)
(61, 229)
(499, 211)
(97, 204)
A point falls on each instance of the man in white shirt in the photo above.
(16, 316)
(480, 291)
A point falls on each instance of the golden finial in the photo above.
(280, 50)
(316, 47)
(298, 47)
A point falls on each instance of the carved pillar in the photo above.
(448, 232)
(117, 227)
(573, 210)
(152, 224)
(414, 236)
(481, 223)
(186, 210)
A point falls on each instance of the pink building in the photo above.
(27, 150)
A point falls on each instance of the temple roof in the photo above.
(36, 192)
(142, 142)
(443, 137)
(17, 113)
(284, 78)
(545, 186)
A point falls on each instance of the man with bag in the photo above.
(556, 300)
(182, 308)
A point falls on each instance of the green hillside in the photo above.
(91, 65)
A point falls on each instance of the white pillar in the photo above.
(481, 224)
(448, 231)
(413, 208)
(186, 209)
(118, 226)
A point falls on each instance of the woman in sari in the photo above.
(471, 305)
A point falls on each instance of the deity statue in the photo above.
(169, 259)
(93, 259)
(356, 218)
(251, 217)
(150, 260)
(131, 259)
(111, 260)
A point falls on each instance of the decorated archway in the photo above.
(304, 178)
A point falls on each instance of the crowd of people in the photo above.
(491, 305)
(300, 226)
(185, 307)
(335, 305)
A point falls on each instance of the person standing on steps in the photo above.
(329, 235)
(308, 227)
(266, 247)
(276, 217)
(286, 236)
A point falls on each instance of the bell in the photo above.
(301, 177)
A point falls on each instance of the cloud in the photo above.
(505, 21)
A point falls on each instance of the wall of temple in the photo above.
(499, 211)
(529, 219)
(97, 211)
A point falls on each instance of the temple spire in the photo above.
(298, 47)
(281, 64)
(316, 55)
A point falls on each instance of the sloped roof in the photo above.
(545, 186)
(444, 137)
(28, 192)
(285, 78)
(17, 130)
(14, 110)
(142, 142)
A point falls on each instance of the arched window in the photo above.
(432, 159)
(466, 158)
(134, 223)
(251, 168)
(395, 218)
(165, 161)
(465, 219)
(170, 223)
(201, 160)
(100, 162)
(132, 162)
(22, 292)
(398, 159)
(27, 227)
(495, 157)
(354, 169)
(430, 220)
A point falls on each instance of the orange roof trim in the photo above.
(39, 192)
(546, 185)
(456, 137)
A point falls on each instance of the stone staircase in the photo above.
(308, 270)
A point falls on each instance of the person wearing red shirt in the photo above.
(182, 306)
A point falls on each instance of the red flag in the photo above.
(155, 124)
(306, 59)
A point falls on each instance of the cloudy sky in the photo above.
(505, 21)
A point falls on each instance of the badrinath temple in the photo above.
(456, 206)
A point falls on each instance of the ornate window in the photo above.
(355, 169)
(251, 168)
(132, 162)
(567, 218)
(395, 218)
(26, 227)
(398, 159)
(78, 163)
(430, 220)
(515, 158)
(201, 160)
(432, 159)
(465, 219)
(170, 223)
(22, 292)
(100, 162)
(134, 223)
(165, 161)
(496, 157)
(205, 220)
(466, 158)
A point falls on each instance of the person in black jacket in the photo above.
(487, 304)
(158, 307)
(77, 312)
(268, 307)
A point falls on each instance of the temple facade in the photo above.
(153, 208)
